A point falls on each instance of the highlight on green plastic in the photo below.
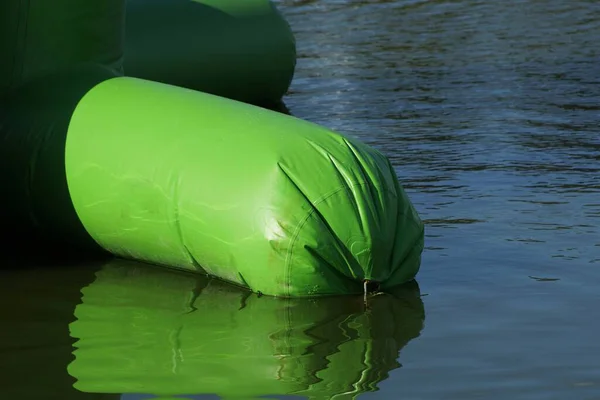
(147, 330)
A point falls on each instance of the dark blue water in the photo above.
(490, 112)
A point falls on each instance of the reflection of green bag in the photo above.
(35, 346)
(145, 330)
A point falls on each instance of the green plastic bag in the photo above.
(264, 200)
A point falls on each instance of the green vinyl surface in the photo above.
(150, 331)
(240, 49)
(264, 200)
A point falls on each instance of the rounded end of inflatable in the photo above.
(356, 229)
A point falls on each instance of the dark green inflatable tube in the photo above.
(39, 37)
(148, 331)
(264, 200)
(240, 49)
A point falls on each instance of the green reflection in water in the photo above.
(147, 330)
(37, 299)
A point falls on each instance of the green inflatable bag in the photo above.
(144, 330)
(240, 49)
(264, 200)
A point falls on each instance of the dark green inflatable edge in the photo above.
(239, 49)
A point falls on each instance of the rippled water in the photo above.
(490, 112)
